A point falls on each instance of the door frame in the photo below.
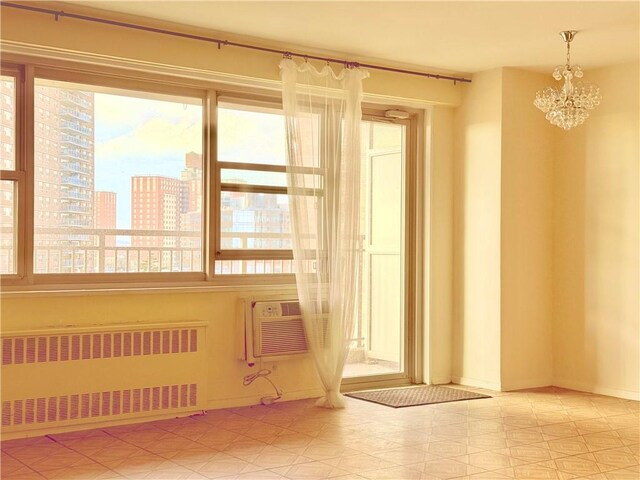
(414, 181)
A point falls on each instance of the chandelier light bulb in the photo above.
(568, 106)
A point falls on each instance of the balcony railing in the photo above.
(74, 113)
(75, 140)
(89, 250)
(76, 153)
(75, 127)
(75, 249)
(78, 182)
(73, 193)
(76, 167)
(75, 99)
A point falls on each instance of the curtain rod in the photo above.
(226, 43)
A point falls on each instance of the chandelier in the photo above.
(568, 106)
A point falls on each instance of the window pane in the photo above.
(118, 181)
(8, 229)
(255, 221)
(8, 123)
(250, 136)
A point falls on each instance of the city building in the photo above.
(155, 205)
(105, 215)
(63, 179)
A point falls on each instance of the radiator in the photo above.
(58, 379)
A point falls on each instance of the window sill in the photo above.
(238, 284)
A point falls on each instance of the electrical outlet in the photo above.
(274, 369)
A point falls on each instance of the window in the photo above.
(254, 234)
(105, 149)
(130, 180)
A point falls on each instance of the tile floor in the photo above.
(544, 433)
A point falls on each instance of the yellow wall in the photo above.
(526, 233)
(76, 35)
(439, 267)
(296, 378)
(596, 243)
(476, 257)
(547, 287)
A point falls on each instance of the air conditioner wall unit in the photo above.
(271, 329)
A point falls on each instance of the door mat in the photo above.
(412, 396)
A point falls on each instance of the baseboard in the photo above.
(526, 383)
(474, 382)
(255, 399)
(599, 389)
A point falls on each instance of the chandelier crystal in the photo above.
(568, 106)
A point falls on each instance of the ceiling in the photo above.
(455, 36)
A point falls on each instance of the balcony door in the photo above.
(380, 341)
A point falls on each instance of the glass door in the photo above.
(379, 343)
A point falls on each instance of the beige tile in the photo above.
(487, 442)
(523, 436)
(623, 474)
(448, 449)
(445, 468)
(560, 430)
(577, 465)
(404, 455)
(359, 463)
(602, 441)
(569, 446)
(532, 471)
(529, 453)
(324, 450)
(85, 472)
(521, 421)
(21, 473)
(617, 457)
(489, 460)
(393, 473)
(224, 465)
(488, 476)
(312, 471)
(191, 456)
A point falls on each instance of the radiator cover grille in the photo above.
(78, 375)
(60, 348)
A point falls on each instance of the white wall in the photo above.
(526, 233)
(439, 269)
(596, 243)
(476, 233)
(546, 242)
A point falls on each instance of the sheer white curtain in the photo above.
(323, 114)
